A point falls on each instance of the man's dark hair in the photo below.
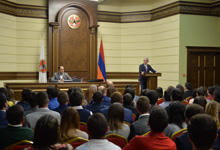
(52, 92)
(167, 93)
(129, 86)
(42, 99)
(159, 90)
(153, 96)
(15, 114)
(97, 97)
(3, 90)
(127, 99)
(179, 86)
(176, 94)
(32, 99)
(211, 90)
(75, 99)
(97, 126)
(63, 98)
(3, 100)
(192, 110)
(143, 104)
(201, 91)
(144, 92)
(26, 94)
(194, 93)
(202, 130)
(217, 94)
(188, 86)
(200, 100)
(158, 119)
(59, 67)
(116, 97)
(130, 91)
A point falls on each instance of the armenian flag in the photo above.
(101, 64)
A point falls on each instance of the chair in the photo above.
(178, 133)
(160, 100)
(83, 127)
(117, 139)
(188, 98)
(185, 102)
(127, 123)
(146, 133)
(133, 117)
(19, 145)
(77, 141)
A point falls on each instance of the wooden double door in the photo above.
(203, 66)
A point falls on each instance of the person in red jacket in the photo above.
(156, 139)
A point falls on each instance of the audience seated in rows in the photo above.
(188, 88)
(167, 99)
(69, 125)
(182, 141)
(217, 94)
(25, 99)
(11, 96)
(106, 100)
(117, 97)
(176, 118)
(210, 91)
(63, 100)
(3, 107)
(96, 104)
(201, 101)
(3, 90)
(52, 93)
(153, 97)
(212, 109)
(202, 131)
(115, 119)
(14, 132)
(135, 96)
(46, 135)
(97, 127)
(111, 90)
(78, 89)
(33, 103)
(127, 103)
(179, 86)
(43, 102)
(201, 91)
(156, 139)
(141, 126)
(76, 101)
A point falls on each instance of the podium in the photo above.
(151, 80)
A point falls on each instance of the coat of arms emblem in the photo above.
(74, 21)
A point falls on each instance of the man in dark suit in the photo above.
(144, 68)
(61, 76)
(3, 107)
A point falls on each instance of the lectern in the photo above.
(152, 80)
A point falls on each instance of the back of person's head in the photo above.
(116, 97)
(3, 90)
(159, 90)
(42, 99)
(158, 119)
(202, 131)
(46, 132)
(32, 99)
(130, 91)
(188, 86)
(129, 86)
(143, 104)
(25, 94)
(110, 91)
(3, 100)
(115, 116)
(15, 115)
(153, 96)
(194, 93)
(70, 90)
(177, 110)
(211, 90)
(127, 99)
(201, 91)
(70, 122)
(167, 93)
(200, 100)
(97, 97)
(52, 92)
(211, 109)
(63, 98)
(97, 126)
(11, 94)
(192, 110)
(217, 94)
(176, 95)
(144, 92)
(75, 99)
(102, 89)
(75, 89)
(179, 86)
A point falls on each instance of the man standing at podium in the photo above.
(61, 76)
(144, 68)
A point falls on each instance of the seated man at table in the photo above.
(61, 76)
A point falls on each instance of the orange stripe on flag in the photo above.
(100, 76)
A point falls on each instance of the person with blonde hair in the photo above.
(69, 126)
(89, 94)
(211, 109)
(115, 119)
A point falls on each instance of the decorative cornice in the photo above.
(21, 10)
(179, 7)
